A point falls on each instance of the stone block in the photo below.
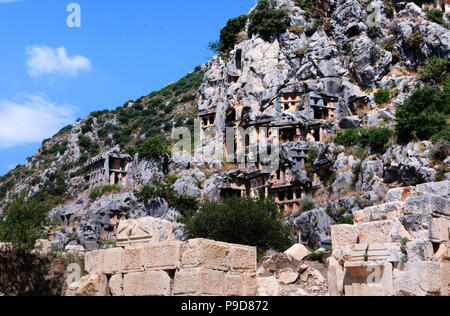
(380, 212)
(336, 275)
(437, 188)
(234, 284)
(112, 261)
(368, 279)
(298, 252)
(439, 229)
(199, 282)
(93, 285)
(116, 285)
(242, 258)
(428, 205)
(343, 235)
(93, 262)
(420, 250)
(250, 286)
(418, 279)
(382, 232)
(148, 283)
(356, 252)
(134, 259)
(206, 254)
(163, 256)
(389, 252)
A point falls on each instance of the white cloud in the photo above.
(44, 60)
(9, 1)
(31, 119)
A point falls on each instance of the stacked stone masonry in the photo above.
(400, 248)
(197, 267)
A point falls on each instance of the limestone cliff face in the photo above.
(344, 63)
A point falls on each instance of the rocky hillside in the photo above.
(373, 60)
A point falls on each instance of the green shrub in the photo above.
(228, 35)
(23, 222)
(424, 114)
(346, 220)
(437, 69)
(307, 203)
(415, 40)
(267, 21)
(317, 256)
(247, 221)
(184, 204)
(436, 16)
(382, 96)
(305, 4)
(348, 137)
(375, 138)
(154, 148)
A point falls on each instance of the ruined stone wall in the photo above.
(398, 248)
(197, 267)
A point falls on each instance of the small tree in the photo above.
(424, 114)
(437, 69)
(254, 222)
(154, 148)
(23, 222)
(268, 21)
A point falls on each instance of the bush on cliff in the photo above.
(268, 21)
(247, 221)
(154, 148)
(425, 114)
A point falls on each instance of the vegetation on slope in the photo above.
(133, 126)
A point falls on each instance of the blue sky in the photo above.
(51, 74)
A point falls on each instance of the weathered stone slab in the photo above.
(418, 279)
(420, 250)
(428, 205)
(242, 258)
(439, 229)
(134, 259)
(112, 261)
(380, 212)
(93, 262)
(234, 284)
(206, 254)
(438, 188)
(143, 230)
(368, 279)
(163, 256)
(390, 252)
(116, 285)
(382, 232)
(343, 235)
(93, 285)
(250, 286)
(149, 283)
(298, 252)
(198, 282)
(356, 252)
